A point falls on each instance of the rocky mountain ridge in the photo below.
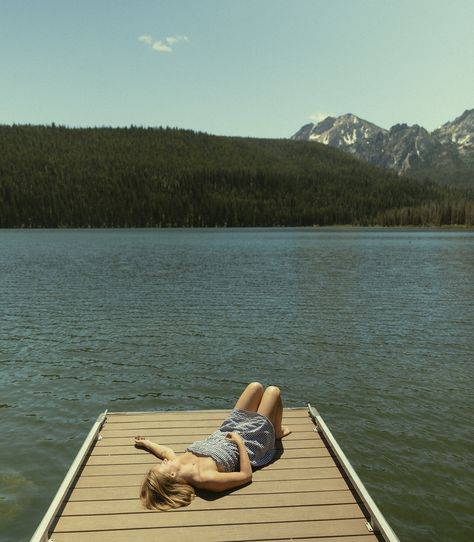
(445, 154)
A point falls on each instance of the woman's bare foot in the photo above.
(284, 432)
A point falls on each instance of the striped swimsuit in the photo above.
(257, 432)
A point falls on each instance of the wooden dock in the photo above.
(304, 494)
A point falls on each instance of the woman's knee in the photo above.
(255, 387)
(273, 390)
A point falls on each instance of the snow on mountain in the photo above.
(347, 132)
(460, 132)
(402, 148)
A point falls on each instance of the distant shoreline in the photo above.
(229, 228)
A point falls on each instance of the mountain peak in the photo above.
(469, 113)
(459, 132)
(348, 132)
(350, 117)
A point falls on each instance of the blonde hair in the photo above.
(162, 492)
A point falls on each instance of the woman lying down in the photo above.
(225, 459)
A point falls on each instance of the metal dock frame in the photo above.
(378, 523)
(42, 532)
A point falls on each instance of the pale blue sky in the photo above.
(236, 67)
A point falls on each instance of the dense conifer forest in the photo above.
(52, 176)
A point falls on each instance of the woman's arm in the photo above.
(221, 481)
(162, 452)
(245, 466)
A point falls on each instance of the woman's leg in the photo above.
(250, 398)
(271, 406)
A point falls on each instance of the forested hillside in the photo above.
(117, 177)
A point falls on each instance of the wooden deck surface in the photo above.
(301, 495)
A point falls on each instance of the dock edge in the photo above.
(378, 523)
(42, 532)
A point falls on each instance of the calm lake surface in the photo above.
(373, 327)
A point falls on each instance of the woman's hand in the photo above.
(245, 473)
(235, 437)
(142, 442)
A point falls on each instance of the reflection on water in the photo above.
(374, 327)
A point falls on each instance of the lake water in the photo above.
(373, 327)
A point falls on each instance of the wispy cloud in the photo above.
(318, 116)
(162, 46)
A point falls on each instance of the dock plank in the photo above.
(283, 474)
(142, 456)
(138, 429)
(140, 467)
(272, 499)
(193, 517)
(108, 448)
(290, 413)
(108, 440)
(290, 530)
(256, 488)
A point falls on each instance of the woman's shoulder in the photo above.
(204, 477)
